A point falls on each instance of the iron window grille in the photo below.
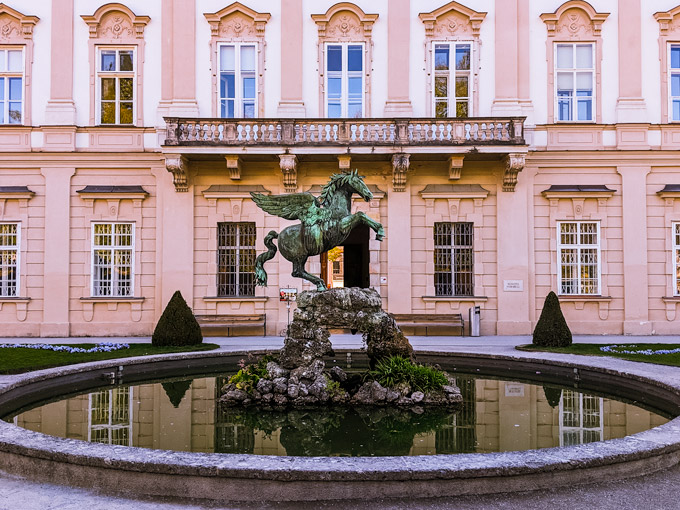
(9, 259)
(676, 256)
(236, 259)
(578, 256)
(113, 259)
(453, 259)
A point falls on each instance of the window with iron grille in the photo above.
(578, 257)
(236, 259)
(453, 259)
(9, 259)
(676, 256)
(113, 246)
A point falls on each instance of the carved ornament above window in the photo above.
(345, 22)
(452, 21)
(237, 22)
(576, 20)
(14, 26)
(116, 23)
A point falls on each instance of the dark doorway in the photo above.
(356, 258)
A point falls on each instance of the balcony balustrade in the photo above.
(329, 132)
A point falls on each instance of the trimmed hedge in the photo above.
(177, 326)
(176, 390)
(552, 329)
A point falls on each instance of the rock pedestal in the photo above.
(357, 309)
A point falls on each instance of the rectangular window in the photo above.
(578, 257)
(236, 259)
(110, 417)
(574, 79)
(453, 259)
(345, 80)
(116, 85)
(580, 418)
(11, 86)
(9, 259)
(238, 80)
(676, 256)
(113, 246)
(452, 94)
(674, 77)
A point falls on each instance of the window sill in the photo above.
(480, 299)
(583, 298)
(220, 299)
(671, 299)
(112, 299)
(14, 299)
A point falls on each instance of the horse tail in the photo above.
(260, 273)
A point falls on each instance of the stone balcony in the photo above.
(398, 138)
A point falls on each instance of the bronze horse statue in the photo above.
(325, 223)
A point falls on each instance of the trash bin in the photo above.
(475, 313)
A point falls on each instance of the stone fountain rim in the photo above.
(29, 453)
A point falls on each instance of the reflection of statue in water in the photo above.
(325, 223)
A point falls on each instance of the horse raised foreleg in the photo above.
(299, 272)
(360, 218)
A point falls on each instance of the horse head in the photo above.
(356, 181)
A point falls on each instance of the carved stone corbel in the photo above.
(344, 162)
(455, 167)
(234, 166)
(178, 165)
(514, 163)
(288, 164)
(400, 165)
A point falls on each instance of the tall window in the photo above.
(116, 85)
(345, 80)
(676, 256)
(236, 259)
(674, 74)
(110, 417)
(238, 83)
(578, 257)
(453, 259)
(452, 79)
(9, 259)
(574, 78)
(580, 418)
(113, 259)
(11, 86)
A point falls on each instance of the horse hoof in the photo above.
(379, 238)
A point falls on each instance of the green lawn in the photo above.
(594, 350)
(17, 360)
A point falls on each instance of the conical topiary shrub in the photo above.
(177, 326)
(551, 329)
(176, 390)
(552, 395)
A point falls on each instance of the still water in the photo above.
(184, 415)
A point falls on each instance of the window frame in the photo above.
(117, 75)
(6, 75)
(452, 73)
(237, 248)
(109, 426)
(132, 248)
(675, 242)
(468, 286)
(345, 74)
(580, 428)
(238, 83)
(17, 264)
(578, 247)
(575, 71)
(670, 72)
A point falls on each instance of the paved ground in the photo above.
(653, 492)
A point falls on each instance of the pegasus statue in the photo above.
(325, 222)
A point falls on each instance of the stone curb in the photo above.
(252, 477)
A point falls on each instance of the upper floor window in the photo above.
(452, 79)
(235, 259)
(9, 259)
(453, 259)
(345, 80)
(11, 85)
(116, 85)
(574, 78)
(674, 74)
(676, 257)
(578, 257)
(238, 80)
(113, 248)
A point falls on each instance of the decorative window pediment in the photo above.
(451, 21)
(14, 26)
(116, 23)
(669, 21)
(575, 19)
(344, 22)
(236, 21)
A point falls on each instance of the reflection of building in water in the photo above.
(498, 416)
(110, 417)
(581, 419)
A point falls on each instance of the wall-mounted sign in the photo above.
(287, 294)
(514, 390)
(383, 279)
(513, 285)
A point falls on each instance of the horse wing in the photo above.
(291, 207)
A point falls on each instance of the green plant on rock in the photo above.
(552, 329)
(177, 326)
(333, 388)
(394, 370)
(250, 374)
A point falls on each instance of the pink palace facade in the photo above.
(513, 147)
